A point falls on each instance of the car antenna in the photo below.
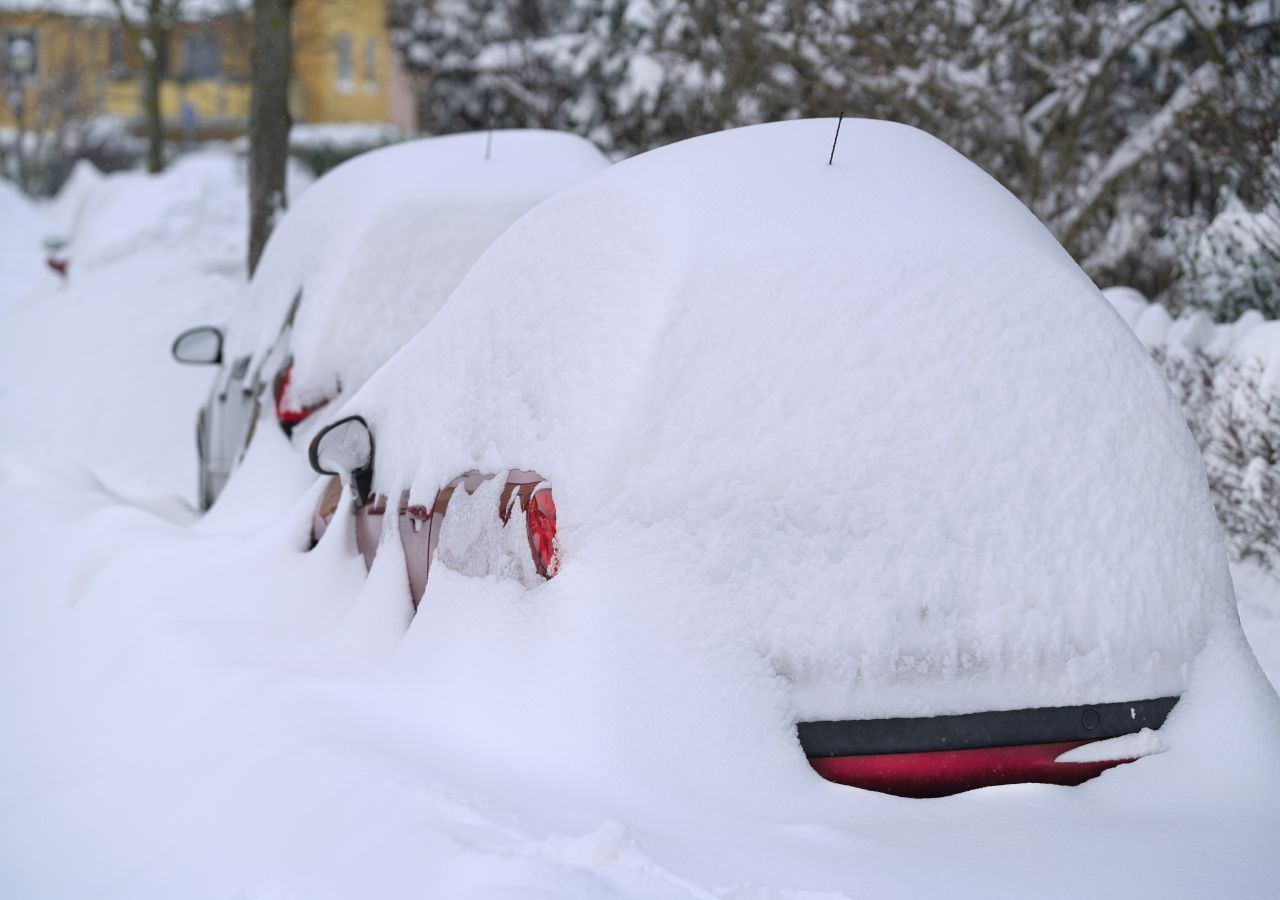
(836, 138)
(488, 144)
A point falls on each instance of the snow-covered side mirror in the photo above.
(345, 449)
(199, 346)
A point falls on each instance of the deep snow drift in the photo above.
(208, 711)
(87, 368)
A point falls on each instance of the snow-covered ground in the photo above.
(1258, 594)
(191, 708)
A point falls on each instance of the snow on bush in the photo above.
(325, 146)
(1227, 380)
(1232, 264)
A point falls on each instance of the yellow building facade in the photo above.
(82, 65)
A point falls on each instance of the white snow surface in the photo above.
(1250, 340)
(379, 243)
(21, 256)
(1128, 746)
(88, 371)
(866, 424)
(207, 711)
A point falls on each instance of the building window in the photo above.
(118, 55)
(371, 64)
(21, 53)
(201, 55)
(346, 62)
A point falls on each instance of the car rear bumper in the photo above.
(942, 755)
(940, 773)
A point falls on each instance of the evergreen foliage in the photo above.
(1121, 125)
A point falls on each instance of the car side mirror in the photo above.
(345, 449)
(199, 346)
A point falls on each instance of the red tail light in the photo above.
(541, 519)
(421, 526)
(288, 416)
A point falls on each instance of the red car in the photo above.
(867, 420)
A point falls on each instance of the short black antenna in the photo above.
(837, 137)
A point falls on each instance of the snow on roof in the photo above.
(867, 420)
(379, 243)
(135, 9)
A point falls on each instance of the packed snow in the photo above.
(205, 710)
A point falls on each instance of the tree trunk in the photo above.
(155, 123)
(153, 72)
(150, 38)
(270, 67)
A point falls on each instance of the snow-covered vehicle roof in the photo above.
(867, 418)
(377, 245)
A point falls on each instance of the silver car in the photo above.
(359, 265)
(225, 424)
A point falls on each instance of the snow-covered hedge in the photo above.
(1232, 263)
(324, 146)
(1227, 378)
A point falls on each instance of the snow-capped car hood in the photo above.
(868, 420)
(379, 243)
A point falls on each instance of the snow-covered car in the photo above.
(357, 266)
(863, 428)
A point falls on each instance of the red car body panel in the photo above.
(940, 773)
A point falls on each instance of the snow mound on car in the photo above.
(379, 243)
(199, 200)
(866, 420)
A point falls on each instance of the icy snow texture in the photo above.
(379, 243)
(868, 421)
